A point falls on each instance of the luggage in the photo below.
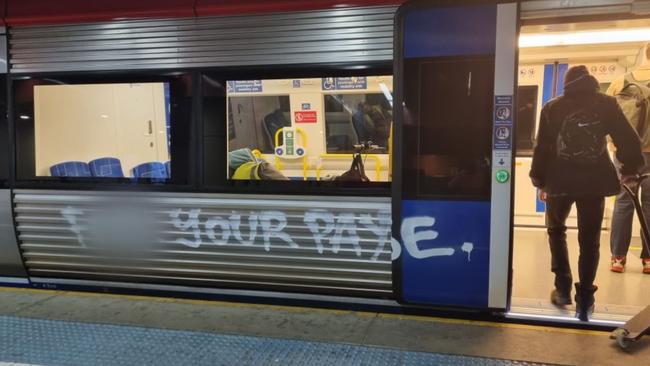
(257, 170)
(356, 173)
(244, 165)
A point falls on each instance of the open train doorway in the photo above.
(615, 52)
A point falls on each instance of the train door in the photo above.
(455, 78)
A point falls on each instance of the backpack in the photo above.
(356, 173)
(634, 100)
(582, 137)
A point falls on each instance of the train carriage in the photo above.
(367, 153)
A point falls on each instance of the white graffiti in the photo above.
(412, 236)
(192, 222)
(70, 214)
(329, 232)
(467, 248)
(270, 230)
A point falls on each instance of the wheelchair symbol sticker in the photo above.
(329, 84)
(502, 133)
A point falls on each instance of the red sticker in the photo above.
(306, 117)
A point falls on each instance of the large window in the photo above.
(103, 130)
(447, 127)
(309, 129)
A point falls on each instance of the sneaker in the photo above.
(559, 299)
(618, 264)
(646, 265)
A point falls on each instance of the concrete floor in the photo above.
(507, 341)
(619, 294)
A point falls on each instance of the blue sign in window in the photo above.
(244, 86)
(345, 83)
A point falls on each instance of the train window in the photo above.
(105, 130)
(526, 118)
(447, 118)
(355, 119)
(309, 129)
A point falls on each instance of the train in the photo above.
(368, 152)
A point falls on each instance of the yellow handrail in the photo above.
(303, 136)
(300, 131)
(375, 157)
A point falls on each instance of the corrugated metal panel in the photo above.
(205, 240)
(329, 36)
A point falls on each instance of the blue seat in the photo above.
(153, 170)
(168, 167)
(70, 169)
(106, 168)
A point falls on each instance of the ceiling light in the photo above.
(582, 38)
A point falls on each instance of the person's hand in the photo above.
(630, 180)
(542, 195)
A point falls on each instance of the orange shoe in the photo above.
(618, 264)
(646, 265)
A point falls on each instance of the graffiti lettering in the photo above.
(320, 233)
(270, 230)
(330, 232)
(345, 225)
(382, 230)
(412, 236)
(235, 223)
(70, 214)
(191, 223)
(224, 225)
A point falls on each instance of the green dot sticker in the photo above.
(502, 176)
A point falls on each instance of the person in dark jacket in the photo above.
(571, 165)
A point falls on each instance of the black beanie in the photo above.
(574, 74)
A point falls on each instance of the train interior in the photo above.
(309, 129)
(101, 130)
(611, 50)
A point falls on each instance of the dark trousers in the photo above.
(590, 218)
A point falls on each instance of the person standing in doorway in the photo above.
(633, 94)
(571, 165)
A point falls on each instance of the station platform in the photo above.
(39, 327)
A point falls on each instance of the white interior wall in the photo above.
(86, 122)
